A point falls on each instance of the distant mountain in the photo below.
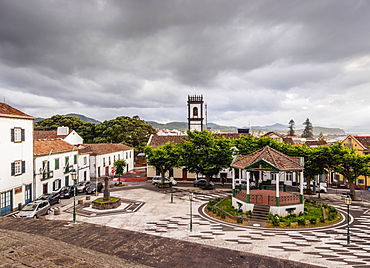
(85, 118)
(280, 128)
(82, 117)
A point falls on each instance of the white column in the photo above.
(301, 184)
(277, 184)
(294, 176)
(248, 175)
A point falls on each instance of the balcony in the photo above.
(47, 175)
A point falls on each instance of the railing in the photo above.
(285, 200)
(47, 175)
(256, 198)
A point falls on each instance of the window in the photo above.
(57, 163)
(126, 155)
(67, 161)
(195, 112)
(103, 161)
(350, 143)
(46, 166)
(119, 156)
(57, 184)
(85, 160)
(130, 154)
(114, 158)
(17, 134)
(18, 167)
(75, 159)
(109, 161)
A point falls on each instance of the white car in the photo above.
(319, 188)
(158, 179)
(34, 209)
(243, 181)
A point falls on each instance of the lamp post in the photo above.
(191, 196)
(74, 178)
(348, 201)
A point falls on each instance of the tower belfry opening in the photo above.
(195, 112)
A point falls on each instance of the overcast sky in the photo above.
(254, 62)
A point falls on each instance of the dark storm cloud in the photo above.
(250, 59)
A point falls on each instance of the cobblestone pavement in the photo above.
(165, 213)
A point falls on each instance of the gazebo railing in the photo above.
(285, 200)
(256, 198)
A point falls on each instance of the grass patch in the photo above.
(111, 199)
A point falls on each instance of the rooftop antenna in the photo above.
(206, 114)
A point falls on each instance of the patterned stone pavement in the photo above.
(166, 213)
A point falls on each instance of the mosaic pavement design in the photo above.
(328, 242)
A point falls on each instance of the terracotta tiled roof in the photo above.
(9, 111)
(45, 147)
(277, 159)
(48, 134)
(288, 140)
(316, 143)
(157, 140)
(271, 133)
(364, 141)
(103, 148)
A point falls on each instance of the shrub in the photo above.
(223, 215)
(218, 213)
(322, 219)
(301, 221)
(288, 222)
(313, 220)
(276, 220)
(331, 217)
(239, 220)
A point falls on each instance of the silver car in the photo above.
(34, 209)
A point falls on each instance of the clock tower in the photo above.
(195, 112)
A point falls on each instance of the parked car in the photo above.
(53, 198)
(319, 188)
(202, 183)
(158, 179)
(34, 209)
(67, 191)
(81, 186)
(92, 187)
(244, 182)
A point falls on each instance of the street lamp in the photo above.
(74, 178)
(191, 196)
(348, 201)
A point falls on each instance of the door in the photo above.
(184, 174)
(6, 202)
(28, 194)
(45, 188)
(107, 171)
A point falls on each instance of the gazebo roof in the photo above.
(267, 158)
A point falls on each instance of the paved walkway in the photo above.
(150, 212)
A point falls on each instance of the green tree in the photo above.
(291, 127)
(119, 166)
(163, 157)
(352, 165)
(133, 132)
(56, 121)
(203, 153)
(308, 130)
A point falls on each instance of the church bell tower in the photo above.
(195, 112)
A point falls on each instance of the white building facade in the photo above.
(16, 147)
(103, 156)
(54, 161)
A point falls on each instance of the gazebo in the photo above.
(270, 170)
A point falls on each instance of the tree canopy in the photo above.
(308, 130)
(203, 153)
(133, 131)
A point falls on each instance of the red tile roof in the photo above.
(48, 134)
(103, 148)
(316, 143)
(364, 141)
(9, 111)
(157, 140)
(277, 159)
(45, 147)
